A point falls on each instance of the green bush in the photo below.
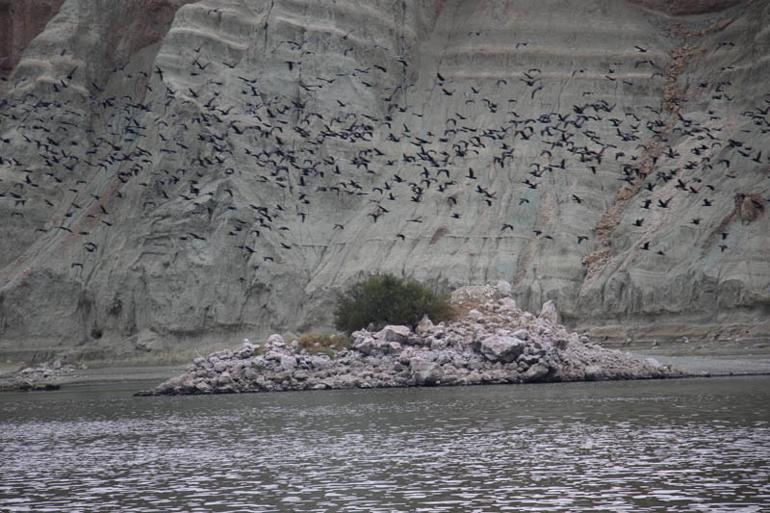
(385, 299)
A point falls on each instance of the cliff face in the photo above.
(20, 22)
(177, 175)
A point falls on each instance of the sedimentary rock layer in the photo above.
(177, 175)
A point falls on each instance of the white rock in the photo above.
(424, 372)
(425, 326)
(288, 362)
(536, 372)
(246, 351)
(549, 312)
(392, 348)
(521, 334)
(504, 288)
(364, 345)
(371, 346)
(507, 304)
(394, 333)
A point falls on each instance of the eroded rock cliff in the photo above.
(176, 175)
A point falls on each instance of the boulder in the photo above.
(223, 378)
(506, 304)
(203, 387)
(503, 288)
(424, 372)
(365, 345)
(536, 373)
(288, 363)
(319, 362)
(521, 334)
(390, 333)
(275, 340)
(502, 349)
(373, 346)
(475, 315)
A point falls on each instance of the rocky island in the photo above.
(491, 341)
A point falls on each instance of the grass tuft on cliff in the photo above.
(385, 299)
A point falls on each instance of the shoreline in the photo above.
(696, 367)
(490, 341)
(714, 361)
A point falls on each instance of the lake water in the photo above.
(681, 445)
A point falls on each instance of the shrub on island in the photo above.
(385, 299)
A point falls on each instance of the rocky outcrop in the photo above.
(177, 175)
(45, 376)
(494, 342)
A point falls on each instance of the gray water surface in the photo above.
(680, 445)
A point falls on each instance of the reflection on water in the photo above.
(685, 445)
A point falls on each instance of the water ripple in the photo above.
(694, 445)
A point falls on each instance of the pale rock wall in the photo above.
(680, 7)
(235, 161)
(20, 22)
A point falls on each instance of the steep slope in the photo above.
(176, 175)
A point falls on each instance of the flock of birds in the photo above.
(176, 146)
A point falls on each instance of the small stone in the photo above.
(392, 348)
(521, 334)
(438, 344)
(203, 387)
(425, 326)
